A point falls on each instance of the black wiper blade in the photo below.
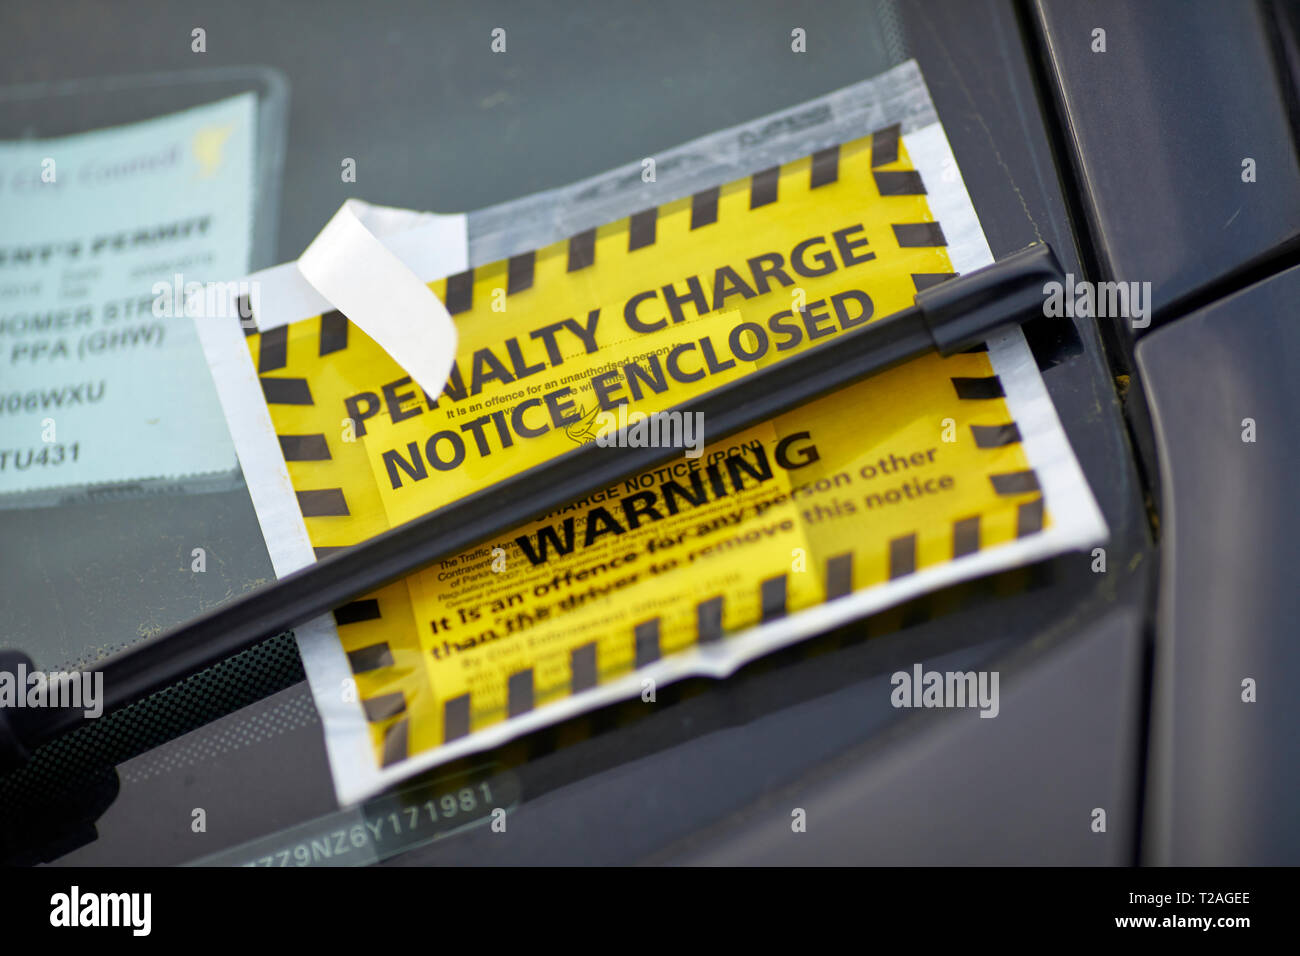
(946, 318)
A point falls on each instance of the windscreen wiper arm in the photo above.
(947, 318)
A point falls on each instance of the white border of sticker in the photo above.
(1042, 435)
(435, 247)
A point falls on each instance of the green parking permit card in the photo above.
(105, 237)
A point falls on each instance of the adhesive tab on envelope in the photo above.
(363, 280)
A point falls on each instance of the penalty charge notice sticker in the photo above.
(930, 473)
